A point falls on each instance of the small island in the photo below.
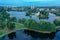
(9, 24)
(41, 14)
(56, 12)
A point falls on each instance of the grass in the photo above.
(19, 26)
(38, 30)
(1, 32)
(6, 31)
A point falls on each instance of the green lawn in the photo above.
(18, 27)
(6, 31)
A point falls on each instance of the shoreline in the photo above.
(20, 27)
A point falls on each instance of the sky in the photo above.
(29, 2)
(38, 0)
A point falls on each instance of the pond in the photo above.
(21, 35)
(20, 15)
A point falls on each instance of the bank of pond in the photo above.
(31, 35)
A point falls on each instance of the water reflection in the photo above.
(31, 35)
(40, 35)
(12, 35)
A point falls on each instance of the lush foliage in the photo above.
(42, 25)
(13, 19)
(22, 20)
(1, 33)
(6, 20)
(43, 14)
(57, 22)
(30, 24)
(57, 12)
(11, 25)
(46, 26)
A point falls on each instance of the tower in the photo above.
(32, 7)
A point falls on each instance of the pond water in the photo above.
(20, 35)
(20, 15)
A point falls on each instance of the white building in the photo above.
(47, 9)
(41, 9)
(37, 14)
(53, 10)
(32, 7)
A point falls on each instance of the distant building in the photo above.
(32, 7)
(53, 10)
(37, 14)
(41, 9)
(47, 9)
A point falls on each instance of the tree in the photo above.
(2, 24)
(43, 14)
(57, 12)
(28, 12)
(32, 24)
(5, 20)
(46, 26)
(13, 19)
(22, 20)
(26, 23)
(11, 25)
(57, 22)
(41, 26)
(3, 17)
